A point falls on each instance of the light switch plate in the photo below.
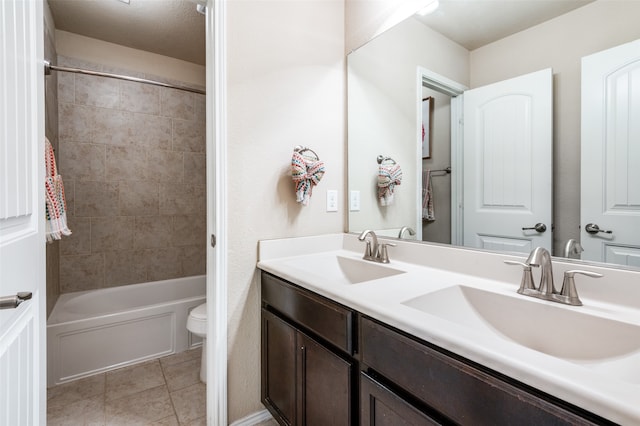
(332, 200)
(354, 201)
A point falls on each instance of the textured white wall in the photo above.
(286, 86)
(117, 56)
(559, 44)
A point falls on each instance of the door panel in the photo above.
(508, 163)
(610, 194)
(22, 240)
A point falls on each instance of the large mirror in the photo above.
(468, 45)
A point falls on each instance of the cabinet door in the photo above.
(279, 368)
(381, 407)
(324, 383)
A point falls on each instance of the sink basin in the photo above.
(558, 331)
(345, 270)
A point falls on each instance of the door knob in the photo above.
(538, 227)
(10, 302)
(592, 228)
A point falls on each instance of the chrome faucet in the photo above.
(373, 251)
(407, 229)
(540, 257)
(573, 249)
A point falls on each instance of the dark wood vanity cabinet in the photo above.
(325, 364)
(305, 379)
(454, 390)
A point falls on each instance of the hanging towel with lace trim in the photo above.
(56, 206)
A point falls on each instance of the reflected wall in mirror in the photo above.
(383, 116)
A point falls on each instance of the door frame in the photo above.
(216, 143)
(442, 84)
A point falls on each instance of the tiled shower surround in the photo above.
(132, 157)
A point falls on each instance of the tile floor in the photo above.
(166, 391)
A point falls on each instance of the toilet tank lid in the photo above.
(199, 312)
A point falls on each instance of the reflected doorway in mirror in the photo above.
(427, 124)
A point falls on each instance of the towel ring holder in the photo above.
(301, 149)
(381, 159)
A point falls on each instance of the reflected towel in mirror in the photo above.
(428, 212)
(389, 175)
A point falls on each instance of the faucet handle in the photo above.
(383, 254)
(568, 291)
(527, 277)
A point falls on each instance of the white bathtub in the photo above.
(93, 331)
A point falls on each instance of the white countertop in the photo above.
(609, 388)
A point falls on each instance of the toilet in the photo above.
(197, 324)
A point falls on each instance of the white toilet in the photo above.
(197, 324)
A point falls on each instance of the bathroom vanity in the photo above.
(347, 342)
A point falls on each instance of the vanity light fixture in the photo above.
(430, 8)
(125, 1)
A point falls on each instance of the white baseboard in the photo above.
(252, 419)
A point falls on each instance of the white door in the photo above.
(22, 240)
(610, 134)
(508, 164)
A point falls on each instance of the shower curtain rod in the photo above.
(48, 68)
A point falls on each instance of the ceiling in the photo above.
(475, 23)
(167, 27)
(174, 28)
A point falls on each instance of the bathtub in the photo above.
(89, 332)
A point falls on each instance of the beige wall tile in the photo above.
(96, 199)
(152, 231)
(189, 230)
(201, 107)
(97, 91)
(165, 166)
(138, 198)
(79, 242)
(123, 158)
(66, 87)
(189, 135)
(126, 163)
(113, 127)
(74, 122)
(163, 263)
(69, 195)
(177, 198)
(195, 168)
(152, 131)
(194, 260)
(139, 97)
(81, 272)
(124, 267)
(177, 104)
(112, 233)
(82, 161)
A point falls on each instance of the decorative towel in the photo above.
(428, 212)
(56, 205)
(389, 175)
(306, 174)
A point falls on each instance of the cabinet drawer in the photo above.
(329, 320)
(456, 389)
(379, 406)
